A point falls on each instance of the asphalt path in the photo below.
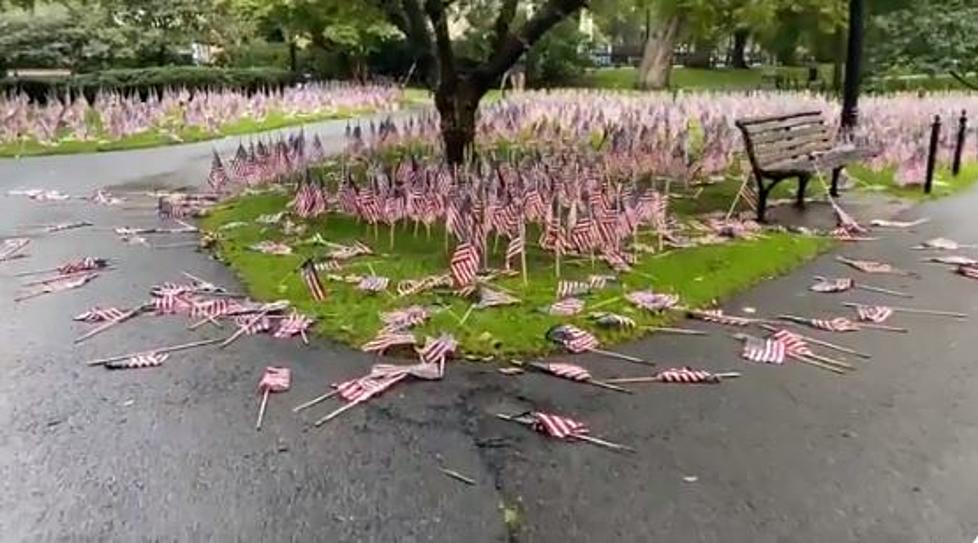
(791, 453)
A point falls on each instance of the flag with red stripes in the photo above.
(572, 338)
(386, 339)
(567, 371)
(464, 265)
(794, 344)
(763, 350)
(651, 301)
(275, 379)
(99, 314)
(144, 360)
(83, 264)
(436, 350)
(686, 375)
(840, 284)
(566, 307)
(558, 426)
(874, 313)
(311, 278)
(968, 271)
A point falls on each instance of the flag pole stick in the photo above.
(582, 437)
(883, 291)
(621, 356)
(816, 341)
(882, 327)
(336, 413)
(523, 254)
(917, 311)
(316, 400)
(680, 331)
(607, 385)
(818, 364)
(261, 408)
(737, 198)
(181, 347)
(126, 316)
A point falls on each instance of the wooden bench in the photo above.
(793, 145)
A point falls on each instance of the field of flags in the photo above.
(112, 116)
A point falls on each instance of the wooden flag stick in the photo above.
(883, 290)
(181, 347)
(457, 476)
(468, 312)
(98, 330)
(241, 330)
(261, 408)
(621, 356)
(916, 311)
(818, 364)
(882, 327)
(609, 301)
(337, 413)
(817, 341)
(680, 331)
(523, 255)
(656, 379)
(315, 401)
(831, 361)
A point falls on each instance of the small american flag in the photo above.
(296, 324)
(572, 338)
(572, 288)
(271, 248)
(840, 284)
(613, 320)
(557, 426)
(464, 264)
(98, 314)
(145, 360)
(364, 388)
(567, 371)
(794, 344)
(251, 326)
(566, 307)
(210, 309)
(386, 339)
(516, 247)
(436, 350)
(218, 176)
(968, 271)
(405, 318)
(59, 285)
(871, 266)
(10, 248)
(171, 304)
(763, 350)
(954, 260)
(651, 301)
(599, 282)
(493, 298)
(874, 313)
(311, 278)
(686, 375)
(373, 283)
(275, 379)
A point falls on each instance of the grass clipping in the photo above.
(700, 275)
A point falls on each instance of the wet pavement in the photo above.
(793, 453)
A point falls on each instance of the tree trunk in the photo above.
(293, 60)
(839, 53)
(656, 65)
(457, 106)
(738, 56)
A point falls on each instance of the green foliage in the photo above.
(929, 36)
(560, 57)
(258, 53)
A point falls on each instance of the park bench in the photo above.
(793, 145)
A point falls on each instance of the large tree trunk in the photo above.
(839, 52)
(457, 107)
(656, 65)
(738, 55)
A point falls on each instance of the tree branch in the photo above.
(420, 35)
(513, 45)
(963, 81)
(443, 44)
(506, 14)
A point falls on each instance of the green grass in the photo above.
(699, 78)
(700, 275)
(945, 184)
(159, 137)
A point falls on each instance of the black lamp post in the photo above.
(854, 60)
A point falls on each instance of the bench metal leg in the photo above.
(834, 191)
(762, 193)
(802, 185)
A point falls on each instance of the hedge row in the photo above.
(144, 81)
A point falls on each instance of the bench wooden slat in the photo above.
(796, 151)
(782, 125)
(781, 117)
(815, 131)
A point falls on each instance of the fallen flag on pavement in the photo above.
(874, 313)
(272, 380)
(842, 284)
(871, 266)
(684, 375)
(58, 285)
(576, 373)
(898, 224)
(716, 316)
(913, 310)
(11, 248)
(954, 260)
(838, 324)
(577, 341)
(612, 320)
(967, 271)
(98, 314)
(145, 360)
(797, 348)
(757, 349)
(941, 244)
(296, 324)
(562, 428)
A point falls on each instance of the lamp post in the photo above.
(854, 58)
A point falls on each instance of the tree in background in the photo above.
(459, 86)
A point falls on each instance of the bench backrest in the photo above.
(782, 138)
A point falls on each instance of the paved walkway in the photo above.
(790, 453)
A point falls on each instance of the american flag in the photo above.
(954, 260)
(364, 388)
(275, 379)
(686, 375)
(464, 264)
(572, 338)
(386, 339)
(218, 176)
(651, 301)
(83, 264)
(171, 304)
(567, 371)
(373, 283)
(436, 350)
(968, 271)
(296, 324)
(840, 284)
(405, 318)
(516, 246)
(572, 288)
(566, 307)
(874, 313)
(59, 285)
(492, 298)
(311, 278)
(252, 325)
(870, 266)
(210, 309)
(145, 360)
(613, 320)
(763, 350)
(557, 426)
(99, 314)
(346, 252)
(598, 282)
(794, 344)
